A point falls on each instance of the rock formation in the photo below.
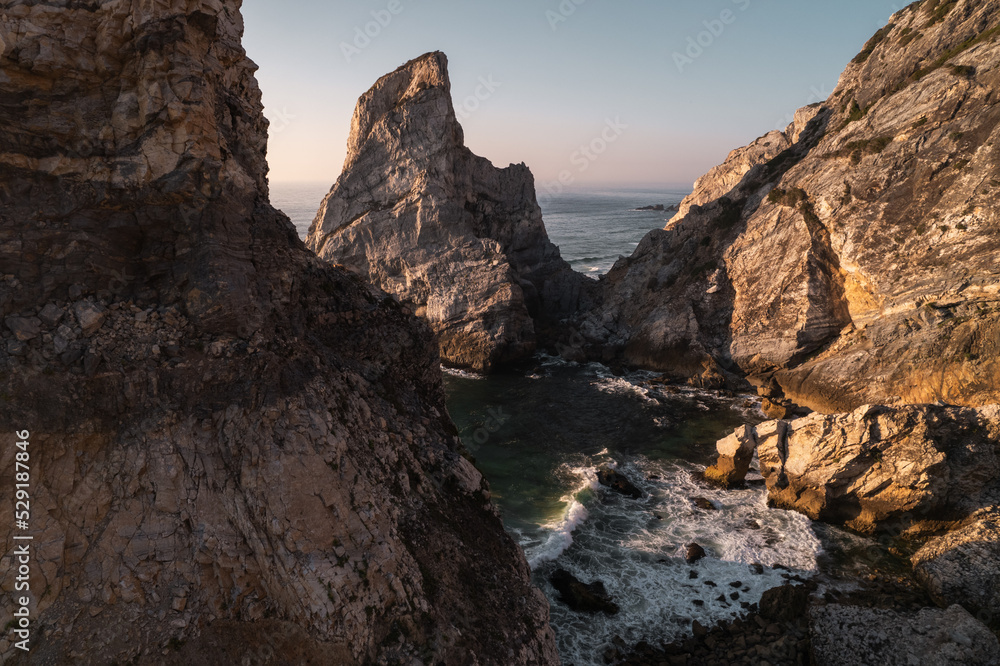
(963, 567)
(237, 451)
(850, 260)
(848, 635)
(911, 469)
(441, 229)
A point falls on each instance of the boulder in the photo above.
(849, 635)
(693, 553)
(618, 482)
(735, 455)
(963, 566)
(24, 328)
(90, 316)
(443, 230)
(582, 597)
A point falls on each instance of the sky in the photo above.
(597, 92)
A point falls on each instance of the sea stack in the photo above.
(237, 452)
(456, 239)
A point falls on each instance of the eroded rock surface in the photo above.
(239, 453)
(857, 265)
(848, 635)
(911, 468)
(963, 567)
(441, 229)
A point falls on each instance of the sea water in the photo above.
(541, 433)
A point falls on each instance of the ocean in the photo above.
(540, 434)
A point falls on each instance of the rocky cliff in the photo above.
(459, 241)
(850, 262)
(238, 453)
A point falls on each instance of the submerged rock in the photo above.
(240, 453)
(848, 636)
(963, 567)
(582, 597)
(459, 240)
(618, 482)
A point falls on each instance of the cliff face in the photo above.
(856, 266)
(237, 452)
(443, 230)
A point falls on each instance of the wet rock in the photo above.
(618, 482)
(963, 566)
(695, 553)
(582, 597)
(704, 504)
(849, 635)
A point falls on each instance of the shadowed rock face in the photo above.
(238, 452)
(856, 264)
(443, 230)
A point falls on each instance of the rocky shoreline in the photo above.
(246, 446)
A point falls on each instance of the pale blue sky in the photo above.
(554, 84)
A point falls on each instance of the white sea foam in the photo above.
(636, 549)
(463, 374)
(559, 534)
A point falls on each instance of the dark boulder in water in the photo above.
(704, 504)
(582, 597)
(694, 553)
(618, 482)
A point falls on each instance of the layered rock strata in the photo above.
(442, 230)
(907, 469)
(851, 262)
(238, 452)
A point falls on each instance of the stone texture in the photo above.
(855, 266)
(735, 455)
(963, 567)
(908, 469)
(441, 229)
(847, 636)
(239, 453)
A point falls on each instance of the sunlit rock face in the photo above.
(851, 259)
(238, 453)
(457, 239)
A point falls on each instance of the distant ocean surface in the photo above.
(592, 227)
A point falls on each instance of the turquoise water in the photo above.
(540, 435)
